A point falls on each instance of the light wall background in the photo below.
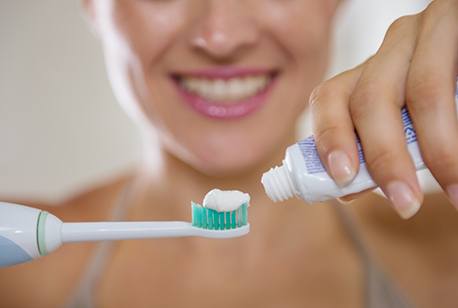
(61, 130)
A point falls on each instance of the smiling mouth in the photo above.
(225, 93)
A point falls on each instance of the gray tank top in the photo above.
(379, 292)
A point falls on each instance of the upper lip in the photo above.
(223, 72)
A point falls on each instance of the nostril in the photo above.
(224, 36)
(214, 42)
(221, 45)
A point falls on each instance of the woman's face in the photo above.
(221, 81)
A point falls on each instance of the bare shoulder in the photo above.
(48, 282)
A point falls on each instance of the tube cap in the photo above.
(278, 184)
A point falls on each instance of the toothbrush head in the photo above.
(210, 219)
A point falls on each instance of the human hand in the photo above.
(417, 66)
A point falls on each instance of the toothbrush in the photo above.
(27, 233)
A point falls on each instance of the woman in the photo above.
(217, 87)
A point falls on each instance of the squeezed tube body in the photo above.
(303, 175)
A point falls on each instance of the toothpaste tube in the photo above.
(303, 175)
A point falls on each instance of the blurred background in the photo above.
(61, 130)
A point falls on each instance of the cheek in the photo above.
(136, 36)
(148, 29)
(302, 30)
(302, 27)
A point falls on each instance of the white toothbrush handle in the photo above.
(106, 231)
(27, 233)
(102, 231)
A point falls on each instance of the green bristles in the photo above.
(214, 220)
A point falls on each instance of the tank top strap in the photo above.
(379, 290)
(83, 297)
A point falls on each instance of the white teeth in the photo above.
(225, 90)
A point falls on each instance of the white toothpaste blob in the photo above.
(225, 200)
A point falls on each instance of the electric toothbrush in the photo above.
(27, 233)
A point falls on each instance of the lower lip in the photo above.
(233, 110)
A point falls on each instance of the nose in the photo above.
(225, 28)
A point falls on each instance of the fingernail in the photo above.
(403, 199)
(340, 167)
(452, 191)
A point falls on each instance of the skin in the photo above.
(295, 254)
(408, 69)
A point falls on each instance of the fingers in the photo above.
(417, 64)
(333, 128)
(431, 95)
(375, 107)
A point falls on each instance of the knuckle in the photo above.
(401, 24)
(320, 94)
(363, 94)
(316, 95)
(424, 93)
(325, 136)
(382, 161)
(443, 158)
(329, 90)
(361, 102)
(430, 10)
(439, 10)
(438, 7)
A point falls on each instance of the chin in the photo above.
(231, 162)
(220, 169)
